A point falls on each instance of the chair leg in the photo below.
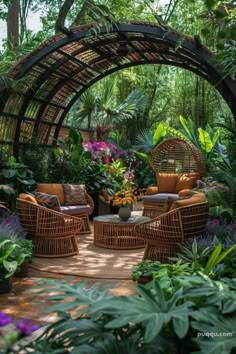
(161, 254)
(85, 229)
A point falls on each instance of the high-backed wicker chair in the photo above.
(175, 155)
(164, 233)
(53, 233)
(172, 160)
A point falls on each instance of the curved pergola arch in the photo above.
(53, 76)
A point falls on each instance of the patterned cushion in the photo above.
(53, 189)
(75, 194)
(47, 200)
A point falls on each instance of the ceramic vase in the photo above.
(124, 213)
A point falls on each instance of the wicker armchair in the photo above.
(177, 165)
(53, 233)
(164, 233)
(80, 211)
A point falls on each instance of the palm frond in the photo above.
(143, 141)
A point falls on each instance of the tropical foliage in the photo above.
(143, 323)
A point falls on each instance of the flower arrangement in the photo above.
(124, 198)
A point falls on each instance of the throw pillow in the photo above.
(166, 182)
(186, 181)
(47, 200)
(53, 189)
(28, 198)
(151, 190)
(186, 193)
(75, 194)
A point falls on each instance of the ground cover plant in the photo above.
(188, 319)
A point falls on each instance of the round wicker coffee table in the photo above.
(111, 232)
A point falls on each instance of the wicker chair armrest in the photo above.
(53, 221)
(167, 227)
(90, 202)
(151, 190)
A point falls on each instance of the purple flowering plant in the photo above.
(11, 228)
(102, 151)
(11, 331)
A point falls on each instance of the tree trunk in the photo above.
(13, 24)
(60, 22)
(203, 119)
(196, 102)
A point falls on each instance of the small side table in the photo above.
(111, 232)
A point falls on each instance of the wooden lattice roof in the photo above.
(63, 67)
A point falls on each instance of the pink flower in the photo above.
(106, 159)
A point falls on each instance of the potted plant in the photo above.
(26, 248)
(124, 198)
(10, 259)
(143, 271)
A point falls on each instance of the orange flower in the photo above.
(124, 198)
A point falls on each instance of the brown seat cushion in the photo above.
(166, 182)
(28, 198)
(75, 209)
(54, 189)
(47, 200)
(196, 198)
(186, 181)
(75, 194)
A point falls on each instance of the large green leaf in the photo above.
(216, 137)
(186, 127)
(217, 257)
(181, 326)
(217, 338)
(8, 173)
(205, 140)
(159, 133)
(6, 249)
(10, 267)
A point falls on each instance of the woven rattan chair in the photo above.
(164, 233)
(53, 233)
(172, 156)
(175, 155)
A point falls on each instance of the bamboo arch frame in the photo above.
(56, 73)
